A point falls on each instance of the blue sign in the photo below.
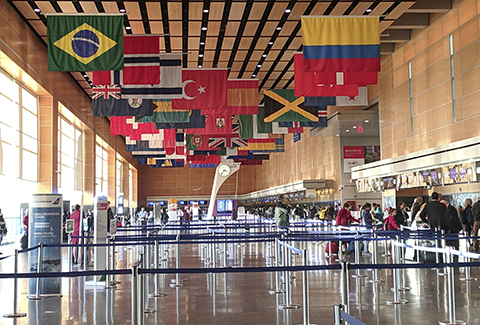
(45, 226)
(297, 137)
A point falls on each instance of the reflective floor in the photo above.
(244, 298)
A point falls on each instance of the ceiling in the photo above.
(253, 39)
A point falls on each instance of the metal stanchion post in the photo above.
(345, 286)
(306, 292)
(396, 279)
(467, 272)
(156, 262)
(15, 270)
(177, 282)
(357, 257)
(387, 253)
(288, 283)
(134, 294)
(39, 270)
(108, 283)
(337, 315)
(69, 252)
(114, 262)
(374, 260)
(451, 292)
(276, 262)
(141, 295)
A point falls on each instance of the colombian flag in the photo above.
(346, 44)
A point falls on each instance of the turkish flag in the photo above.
(204, 89)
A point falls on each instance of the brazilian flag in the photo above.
(85, 43)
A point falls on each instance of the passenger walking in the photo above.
(77, 218)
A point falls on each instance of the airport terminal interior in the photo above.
(339, 110)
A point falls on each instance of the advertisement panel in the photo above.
(45, 226)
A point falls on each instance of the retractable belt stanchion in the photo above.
(345, 286)
(337, 315)
(134, 294)
(177, 282)
(306, 291)
(276, 262)
(69, 250)
(357, 256)
(114, 261)
(108, 283)
(374, 259)
(396, 280)
(450, 291)
(15, 270)
(39, 270)
(287, 279)
(156, 293)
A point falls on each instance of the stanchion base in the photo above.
(456, 322)
(386, 255)
(468, 279)
(16, 315)
(35, 298)
(404, 289)
(289, 307)
(275, 292)
(396, 302)
(116, 282)
(175, 280)
(377, 280)
(359, 276)
(176, 285)
(157, 295)
(110, 287)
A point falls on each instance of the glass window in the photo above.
(30, 160)
(71, 155)
(29, 124)
(30, 143)
(29, 101)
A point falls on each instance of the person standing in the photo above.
(344, 217)
(417, 203)
(402, 216)
(367, 220)
(3, 228)
(109, 216)
(282, 212)
(330, 213)
(476, 222)
(453, 222)
(76, 233)
(435, 214)
(466, 217)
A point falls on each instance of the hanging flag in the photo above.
(195, 165)
(360, 100)
(249, 127)
(281, 105)
(126, 125)
(322, 122)
(242, 96)
(165, 163)
(170, 86)
(174, 142)
(196, 121)
(106, 101)
(214, 124)
(346, 44)
(163, 113)
(204, 89)
(85, 43)
(306, 83)
(266, 145)
(141, 62)
(345, 78)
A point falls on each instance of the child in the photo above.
(389, 222)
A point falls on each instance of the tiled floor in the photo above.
(244, 298)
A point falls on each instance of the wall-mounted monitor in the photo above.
(151, 203)
(181, 202)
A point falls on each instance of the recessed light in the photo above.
(259, 65)
(254, 75)
(270, 43)
(368, 10)
(204, 28)
(287, 11)
(206, 11)
(338, 135)
(37, 10)
(202, 43)
(122, 11)
(347, 130)
(85, 75)
(200, 66)
(279, 28)
(354, 126)
(128, 28)
(200, 55)
(366, 121)
(264, 55)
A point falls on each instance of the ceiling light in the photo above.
(206, 11)
(264, 55)
(123, 11)
(200, 66)
(254, 75)
(270, 43)
(128, 28)
(279, 28)
(347, 130)
(200, 55)
(366, 121)
(354, 126)
(259, 65)
(37, 10)
(85, 75)
(287, 11)
(368, 10)
(204, 28)
(338, 135)
(202, 43)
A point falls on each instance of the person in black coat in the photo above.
(401, 217)
(435, 214)
(454, 224)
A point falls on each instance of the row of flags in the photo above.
(171, 116)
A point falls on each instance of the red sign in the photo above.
(102, 206)
(357, 152)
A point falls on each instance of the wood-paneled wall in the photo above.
(429, 54)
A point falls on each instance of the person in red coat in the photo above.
(344, 217)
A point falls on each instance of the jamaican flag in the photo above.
(85, 43)
(281, 105)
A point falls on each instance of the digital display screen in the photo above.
(190, 202)
(120, 210)
(201, 202)
(120, 200)
(162, 202)
(151, 203)
(453, 173)
(224, 205)
(181, 202)
(433, 174)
